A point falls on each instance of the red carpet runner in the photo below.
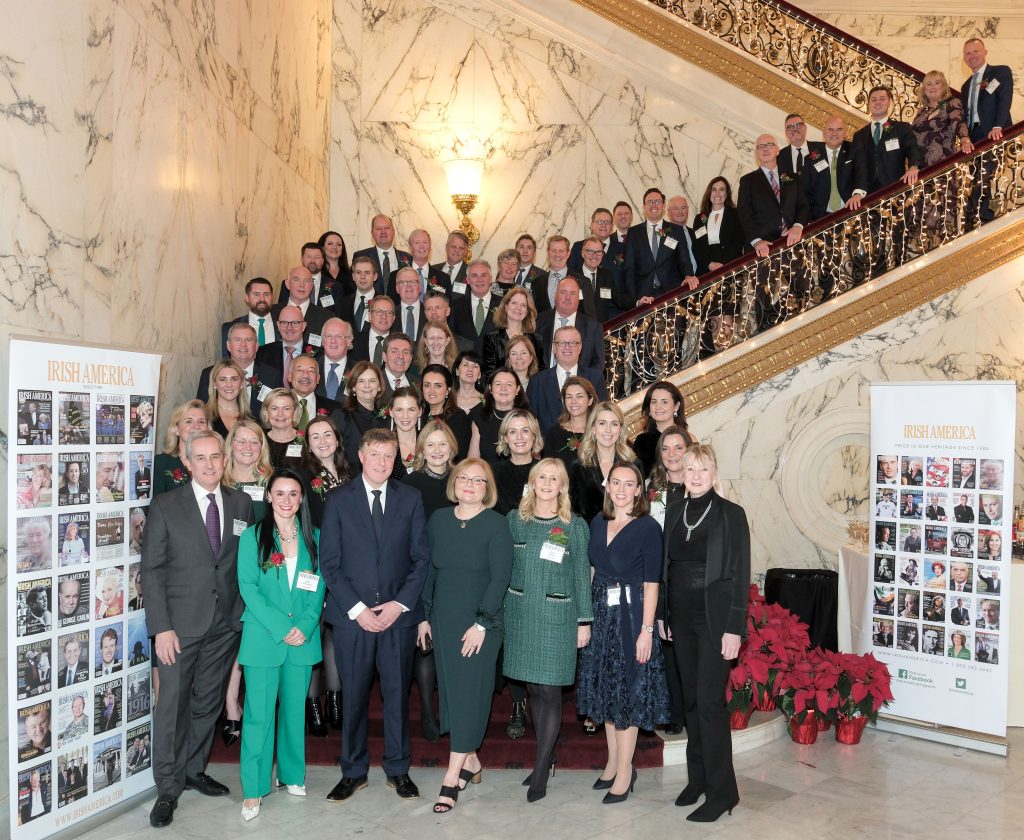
(576, 750)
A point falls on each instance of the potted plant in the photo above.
(739, 696)
(775, 639)
(864, 687)
(803, 695)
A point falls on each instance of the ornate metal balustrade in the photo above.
(751, 295)
(804, 47)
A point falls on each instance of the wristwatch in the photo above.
(647, 628)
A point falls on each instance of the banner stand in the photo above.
(87, 824)
(978, 741)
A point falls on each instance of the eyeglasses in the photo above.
(567, 343)
(602, 221)
(475, 480)
(794, 126)
(384, 311)
(593, 252)
(289, 323)
(761, 147)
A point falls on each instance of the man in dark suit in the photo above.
(279, 354)
(657, 258)
(566, 314)
(622, 213)
(398, 355)
(960, 614)
(259, 300)
(369, 343)
(189, 562)
(770, 204)
(300, 287)
(610, 295)
(987, 94)
(438, 310)
(887, 147)
(355, 308)
(473, 315)
(333, 361)
(545, 389)
(419, 247)
(454, 265)
(373, 556)
(325, 295)
(602, 226)
(409, 315)
(529, 275)
(793, 157)
(386, 258)
(74, 671)
(833, 177)
(558, 270)
(963, 512)
(677, 210)
(242, 350)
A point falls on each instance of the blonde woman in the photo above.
(227, 402)
(939, 123)
(248, 462)
(519, 447)
(602, 446)
(278, 417)
(548, 609)
(436, 346)
(169, 470)
(516, 315)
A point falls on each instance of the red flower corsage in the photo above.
(321, 412)
(275, 561)
(317, 486)
(557, 536)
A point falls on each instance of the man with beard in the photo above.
(259, 298)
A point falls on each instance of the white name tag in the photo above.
(892, 145)
(237, 526)
(294, 450)
(552, 552)
(991, 86)
(256, 493)
(699, 232)
(615, 594)
(670, 242)
(459, 288)
(307, 581)
(606, 294)
(821, 166)
(315, 340)
(263, 394)
(327, 300)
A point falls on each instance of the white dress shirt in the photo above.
(392, 260)
(290, 565)
(570, 321)
(564, 374)
(798, 152)
(714, 226)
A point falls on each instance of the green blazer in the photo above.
(272, 609)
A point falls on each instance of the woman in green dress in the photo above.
(470, 565)
(548, 608)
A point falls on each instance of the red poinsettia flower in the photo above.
(321, 412)
(316, 483)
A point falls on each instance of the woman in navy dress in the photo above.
(622, 676)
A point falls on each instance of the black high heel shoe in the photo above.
(690, 794)
(611, 798)
(231, 731)
(709, 812)
(315, 725)
(603, 784)
(536, 792)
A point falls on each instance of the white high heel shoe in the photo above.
(296, 790)
(250, 812)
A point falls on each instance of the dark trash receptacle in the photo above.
(810, 594)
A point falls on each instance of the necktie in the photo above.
(654, 241)
(423, 285)
(876, 132)
(398, 383)
(261, 334)
(385, 266)
(289, 354)
(410, 323)
(213, 523)
(565, 321)
(304, 415)
(377, 515)
(775, 185)
(799, 161)
(333, 382)
(519, 277)
(481, 316)
(378, 351)
(834, 200)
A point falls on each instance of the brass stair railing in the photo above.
(837, 253)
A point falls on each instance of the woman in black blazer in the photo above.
(707, 576)
(515, 315)
(717, 233)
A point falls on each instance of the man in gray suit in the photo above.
(189, 561)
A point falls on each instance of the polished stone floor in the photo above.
(890, 786)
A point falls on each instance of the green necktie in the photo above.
(834, 199)
(481, 316)
(877, 132)
(378, 351)
(261, 336)
(304, 416)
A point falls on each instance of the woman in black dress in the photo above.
(519, 448)
(438, 390)
(707, 577)
(516, 315)
(365, 402)
(563, 439)
(336, 268)
(468, 372)
(663, 407)
(227, 401)
(717, 232)
(522, 356)
(602, 447)
(405, 413)
(278, 418)
(503, 394)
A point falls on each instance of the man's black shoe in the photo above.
(345, 788)
(404, 786)
(163, 811)
(206, 786)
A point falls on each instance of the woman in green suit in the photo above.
(284, 596)
(548, 608)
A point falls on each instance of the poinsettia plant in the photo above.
(864, 686)
(775, 640)
(808, 687)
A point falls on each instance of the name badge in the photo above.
(459, 288)
(669, 242)
(581, 294)
(256, 493)
(327, 300)
(315, 340)
(552, 552)
(606, 294)
(821, 166)
(237, 526)
(892, 145)
(307, 581)
(991, 86)
(263, 394)
(294, 450)
(615, 594)
(700, 232)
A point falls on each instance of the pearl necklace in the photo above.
(690, 528)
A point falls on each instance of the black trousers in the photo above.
(704, 673)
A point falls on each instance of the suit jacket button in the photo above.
(289, 615)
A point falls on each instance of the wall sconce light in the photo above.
(464, 177)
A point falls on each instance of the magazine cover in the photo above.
(35, 418)
(73, 598)
(138, 640)
(142, 416)
(72, 776)
(106, 762)
(107, 706)
(35, 481)
(138, 700)
(108, 592)
(73, 724)
(109, 536)
(35, 792)
(136, 527)
(109, 418)
(74, 666)
(73, 486)
(73, 419)
(73, 535)
(140, 755)
(109, 480)
(141, 472)
(34, 549)
(34, 668)
(108, 649)
(34, 731)
(33, 606)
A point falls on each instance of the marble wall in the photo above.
(569, 113)
(794, 450)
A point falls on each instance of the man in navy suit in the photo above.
(326, 294)
(987, 96)
(567, 314)
(771, 203)
(373, 556)
(259, 299)
(355, 308)
(602, 226)
(657, 257)
(241, 348)
(545, 389)
(888, 147)
(419, 247)
(793, 157)
(473, 314)
(454, 265)
(386, 258)
(610, 297)
(833, 177)
(300, 290)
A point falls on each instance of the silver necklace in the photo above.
(690, 528)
